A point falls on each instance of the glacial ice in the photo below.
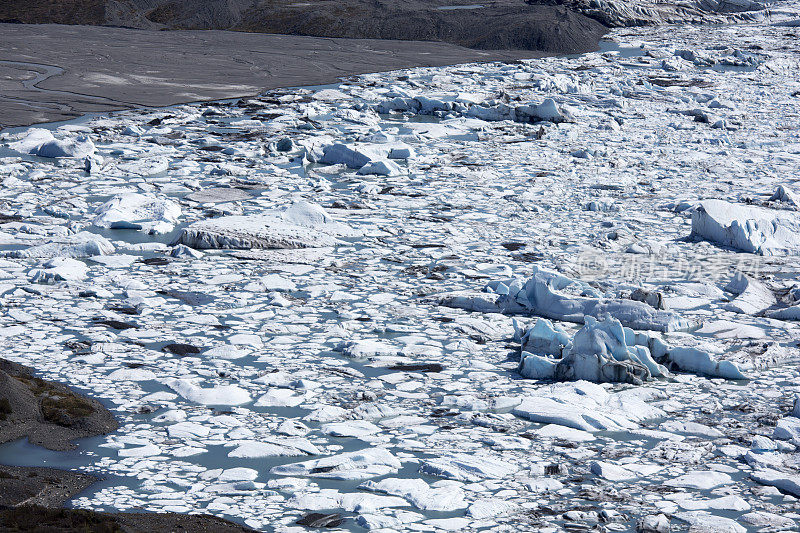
(78, 245)
(420, 494)
(41, 142)
(753, 297)
(313, 353)
(465, 467)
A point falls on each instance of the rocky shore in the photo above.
(53, 416)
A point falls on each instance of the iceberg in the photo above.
(554, 296)
(750, 229)
(138, 211)
(59, 269)
(585, 406)
(363, 464)
(598, 352)
(82, 244)
(302, 225)
(38, 141)
(605, 351)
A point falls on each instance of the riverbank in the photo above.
(50, 73)
(52, 415)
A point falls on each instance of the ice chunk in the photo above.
(280, 398)
(551, 295)
(351, 428)
(585, 406)
(354, 156)
(786, 195)
(750, 229)
(137, 211)
(753, 296)
(491, 507)
(303, 225)
(465, 467)
(41, 142)
(361, 349)
(30, 140)
(420, 494)
(702, 362)
(59, 269)
(702, 522)
(363, 464)
(547, 111)
(700, 480)
(381, 167)
(83, 244)
(220, 395)
(544, 339)
(273, 447)
(79, 147)
(599, 352)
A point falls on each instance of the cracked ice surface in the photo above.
(301, 361)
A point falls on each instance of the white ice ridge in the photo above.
(750, 229)
(301, 225)
(552, 295)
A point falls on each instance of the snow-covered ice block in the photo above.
(753, 296)
(781, 480)
(547, 111)
(700, 480)
(747, 228)
(353, 156)
(79, 147)
(702, 521)
(30, 139)
(273, 447)
(598, 352)
(786, 195)
(381, 167)
(38, 141)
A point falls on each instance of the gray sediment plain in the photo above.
(50, 72)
